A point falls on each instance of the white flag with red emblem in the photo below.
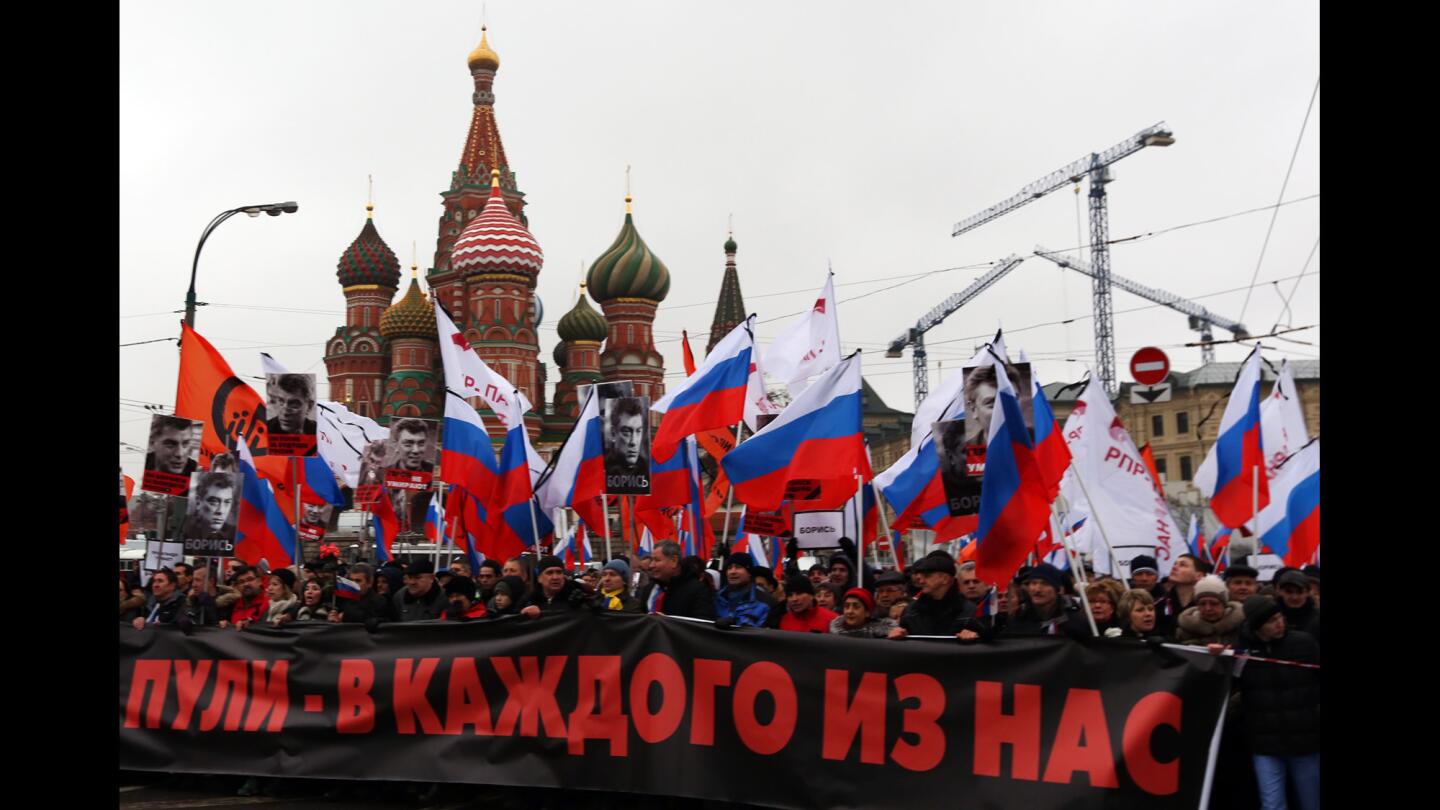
(467, 375)
(810, 346)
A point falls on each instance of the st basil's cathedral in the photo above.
(384, 362)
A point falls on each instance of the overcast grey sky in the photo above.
(842, 132)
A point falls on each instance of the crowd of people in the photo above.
(1271, 746)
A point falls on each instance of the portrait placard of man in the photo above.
(212, 512)
(290, 406)
(173, 454)
(413, 447)
(962, 490)
(981, 401)
(625, 434)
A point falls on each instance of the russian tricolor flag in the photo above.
(819, 436)
(514, 520)
(1196, 540)
(467, 458)
(1236, 462)
(577, 478)
(434, 532)
(262, 530)
(386, 526)
(712, 397)
(466, 524)
(1295, 533)
(753, 544)
(703, 534)
(347, 588)
(1052, 455)
(1014, 509)
(669, 486)
(912, 485)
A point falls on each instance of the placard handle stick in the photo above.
(1095, 513)
(729, 495)
(605, 509)
(299, 547)
(859, 530)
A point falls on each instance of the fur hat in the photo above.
(1212, 585)
(420, 567)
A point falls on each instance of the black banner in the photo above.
(651, 704)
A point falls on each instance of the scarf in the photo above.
(612, 599)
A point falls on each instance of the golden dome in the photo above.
(482, 56)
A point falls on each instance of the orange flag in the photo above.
(1149, 459)
(208, 391)
(125, 507)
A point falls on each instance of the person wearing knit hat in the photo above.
(460, 591)
(1213, 619)
(511, 595)
(801, 613)
(1280, 705)
(1047, 611)
(554, 593)
(1144, 572)
(613, 592)
(856, 610)
(738, 602)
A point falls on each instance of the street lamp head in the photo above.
(290, 207)
(252, 212)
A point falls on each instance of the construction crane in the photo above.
(1201, 318)
(1096, 166)
(915, 336)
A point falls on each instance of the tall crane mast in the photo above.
(1096, 166)
(914, 337)
(1200, 318)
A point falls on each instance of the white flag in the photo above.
(810, 346)
(1130, 512)
(467, 375)
(1282, 422)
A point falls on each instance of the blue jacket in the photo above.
(746, 607)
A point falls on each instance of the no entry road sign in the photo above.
(1149, 366)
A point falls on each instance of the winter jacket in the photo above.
(1068, 621)
(170, 611)
(628, 603)
(1305, 618)
(940, 617)
(1167, 610)
(302, 613)
(202, 609)
(1191, 629)
(875, 628)
(1280, 704)
(749, 606)
(814, 620)
(253, 610)
(133, 606)
(476, 611)
(570, 598)
(370, 607)
(682, 596)
(428, 605)
(277, 609)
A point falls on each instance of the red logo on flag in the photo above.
(820, 305)
(459, 340)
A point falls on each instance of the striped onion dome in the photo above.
(494, 242)
(410, 317)
(627, 269)
(369, 260)
(583, 323)
(560, 355)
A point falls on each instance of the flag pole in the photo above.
(730, 494)
(299, 546)
(1059, 529)
(440, 532)
(605, 509)
(1095, 513)
(885, 524)
(534, 524)
(859, 502)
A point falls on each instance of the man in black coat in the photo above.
(422, 597)
(553, 592)
(1048, 612)
(675, 590)
(371, 608)
(1280, 704)
(939, 610)
(1292, 588)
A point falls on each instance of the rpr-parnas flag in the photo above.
(810, 346)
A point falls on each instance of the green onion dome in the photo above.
(410, 317)
(369, 260)
(582, 322)
(561, 354)
(627, 269)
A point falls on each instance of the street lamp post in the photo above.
(273, 209)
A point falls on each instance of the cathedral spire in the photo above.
(730, 309)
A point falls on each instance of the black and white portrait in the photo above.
(625, 434)
(981, 391)
(173, 454)
(212, 512)
(962, 490)
(290, 406)
(414, 444)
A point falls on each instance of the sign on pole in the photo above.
(1149, 366)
